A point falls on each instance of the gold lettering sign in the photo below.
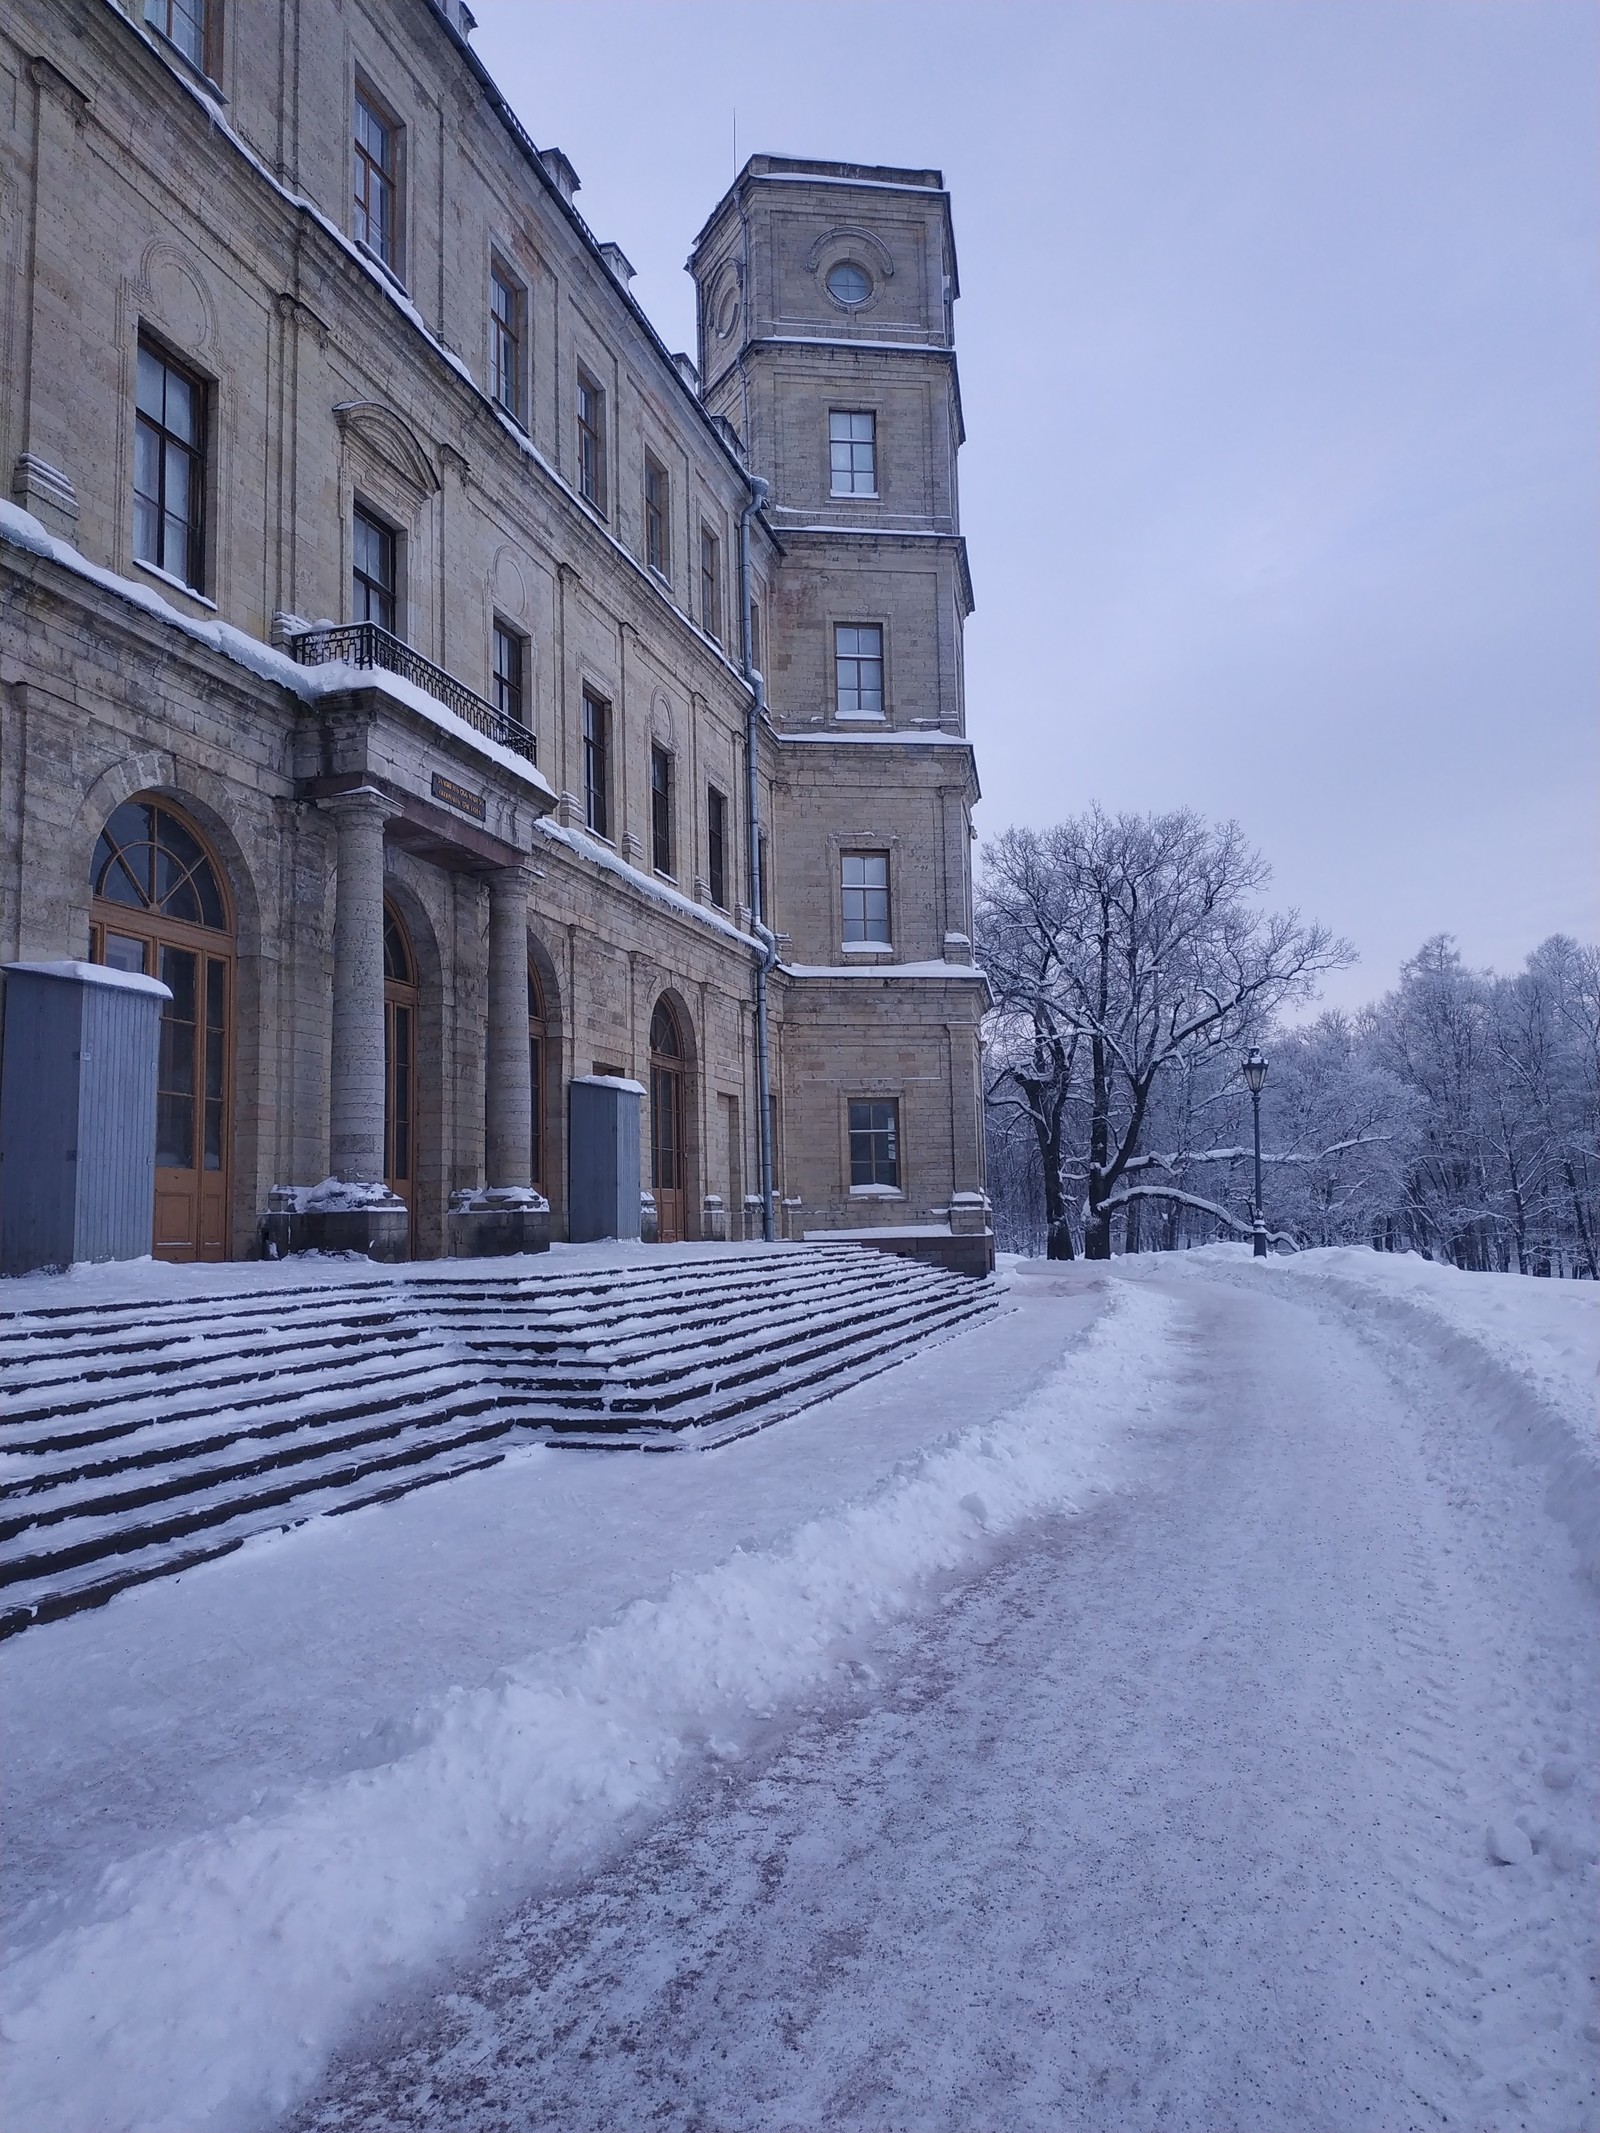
(457, 796)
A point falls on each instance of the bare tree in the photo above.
(1120, 948)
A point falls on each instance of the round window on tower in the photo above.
(849, 284)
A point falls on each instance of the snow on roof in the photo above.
(93, 974)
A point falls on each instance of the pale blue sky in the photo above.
(1279, 336)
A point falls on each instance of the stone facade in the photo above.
(437, 393)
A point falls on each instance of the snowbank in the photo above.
(1532, 1348)
(219, 1973)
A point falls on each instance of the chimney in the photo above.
(617, 260)
(688, 373)
(564, 177)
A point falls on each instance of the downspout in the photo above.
(767, 953)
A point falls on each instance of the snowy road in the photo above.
(1175, 1816)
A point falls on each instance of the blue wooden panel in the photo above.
(603, 1159)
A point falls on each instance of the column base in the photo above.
(497, 1223)
(334, 1217)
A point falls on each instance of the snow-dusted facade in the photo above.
(386, 617)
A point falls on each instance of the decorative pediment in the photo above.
(390, 439)
(848, 233)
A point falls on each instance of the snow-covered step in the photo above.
(135, 1441)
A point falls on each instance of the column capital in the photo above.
(514, 880)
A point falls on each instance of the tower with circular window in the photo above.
(849, 284)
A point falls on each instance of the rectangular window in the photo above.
(597, 764)
(376, 177)
(661, 811)
(169, 469)
(864, 894)
(505, 341)
(183, 23)
(875, 1143)
(853, 453)
(591, 441)
(509, 693)
(717, 846)
(374, 587)
(858, 669)
(710, 583)
(657, 517)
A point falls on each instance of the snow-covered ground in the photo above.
(1113, 1717)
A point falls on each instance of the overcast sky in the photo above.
(1279, 333)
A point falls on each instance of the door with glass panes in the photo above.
(399, 1060)
(160, 907)
(667, 1079)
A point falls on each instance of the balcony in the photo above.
(365, 644)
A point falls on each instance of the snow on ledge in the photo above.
(20, 529)
(647, 885)
(94, 974)
(883, 970)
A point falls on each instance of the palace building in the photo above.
(449, 692)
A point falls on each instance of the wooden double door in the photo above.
(159, 907)
(668, 1110)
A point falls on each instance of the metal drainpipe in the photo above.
(767, 954)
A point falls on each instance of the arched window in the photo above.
(667, 1111)
(160, 906)
(399, 1056)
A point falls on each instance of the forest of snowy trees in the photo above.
(1133, 966)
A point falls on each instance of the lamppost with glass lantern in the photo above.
(1255, 1073)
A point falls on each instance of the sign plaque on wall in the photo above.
(458, 797)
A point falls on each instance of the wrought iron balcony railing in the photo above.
(365, 644)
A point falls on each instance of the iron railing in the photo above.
(367, 644)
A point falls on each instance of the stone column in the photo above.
(508, 1139)
(355, 1105)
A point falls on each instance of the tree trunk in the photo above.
(1060, 1240)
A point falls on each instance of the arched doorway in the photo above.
(667, 1113)
(399, 1059)
(160, 906)
(536, 1071)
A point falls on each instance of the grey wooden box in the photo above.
(603, 1157)
(77, 1114)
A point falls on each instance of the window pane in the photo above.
(124, 952)
(152, 384)
(176, 1072)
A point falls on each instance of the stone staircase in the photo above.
(140, 1438)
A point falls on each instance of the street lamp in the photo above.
(1255, 1073)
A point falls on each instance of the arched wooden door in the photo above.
(399, 1059)
(160, 906)
(667, 1113)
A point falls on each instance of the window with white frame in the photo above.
(853, 452)
(597, 764)
(510, 672)
(505, 340)
(661, 811)
(858, 669)
(657, 517)
(169, 468)
(375, 173)
(710, 583)
(874, 1144)
(864, 898)
(183, 23)
(374, 572)
(591, 441)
